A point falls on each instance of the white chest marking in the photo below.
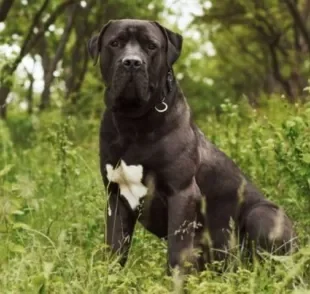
(129, 180)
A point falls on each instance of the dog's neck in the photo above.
(152, 119)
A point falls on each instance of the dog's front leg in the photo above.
(120, 226)
(182, 214)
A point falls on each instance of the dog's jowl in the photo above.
(159, 168)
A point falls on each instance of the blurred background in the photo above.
(239, 50)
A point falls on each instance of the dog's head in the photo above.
(135, 57)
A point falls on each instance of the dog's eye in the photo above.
(151, 46)
(114, 44)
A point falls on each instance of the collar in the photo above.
(163, 106)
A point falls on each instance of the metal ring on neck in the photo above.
(165, 107)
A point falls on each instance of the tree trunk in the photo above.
(74, 66)
(81, 76)
(298, 19)
(4, 92)
(5, 7)
(49, 78)
(77, 64)
(278, 76)
(29, 96)
(306, 11)
(77, 76)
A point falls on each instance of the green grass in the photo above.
(52, 206)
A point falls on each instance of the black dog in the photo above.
(158, 166)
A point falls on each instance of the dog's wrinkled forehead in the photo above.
(143, 31)
(132, 28)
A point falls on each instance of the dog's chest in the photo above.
(130, 180)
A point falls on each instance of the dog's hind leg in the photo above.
(268, 228)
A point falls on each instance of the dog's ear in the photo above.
(92, 46)
(174, 44)
(94, 43)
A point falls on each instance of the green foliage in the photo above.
(232, 50)
(53, 205)
(259, 48)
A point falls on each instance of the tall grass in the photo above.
(52, 205)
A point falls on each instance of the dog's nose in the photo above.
(132, 62)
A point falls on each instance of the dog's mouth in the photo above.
(127, 106)
(124, 104)
(130, 92)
